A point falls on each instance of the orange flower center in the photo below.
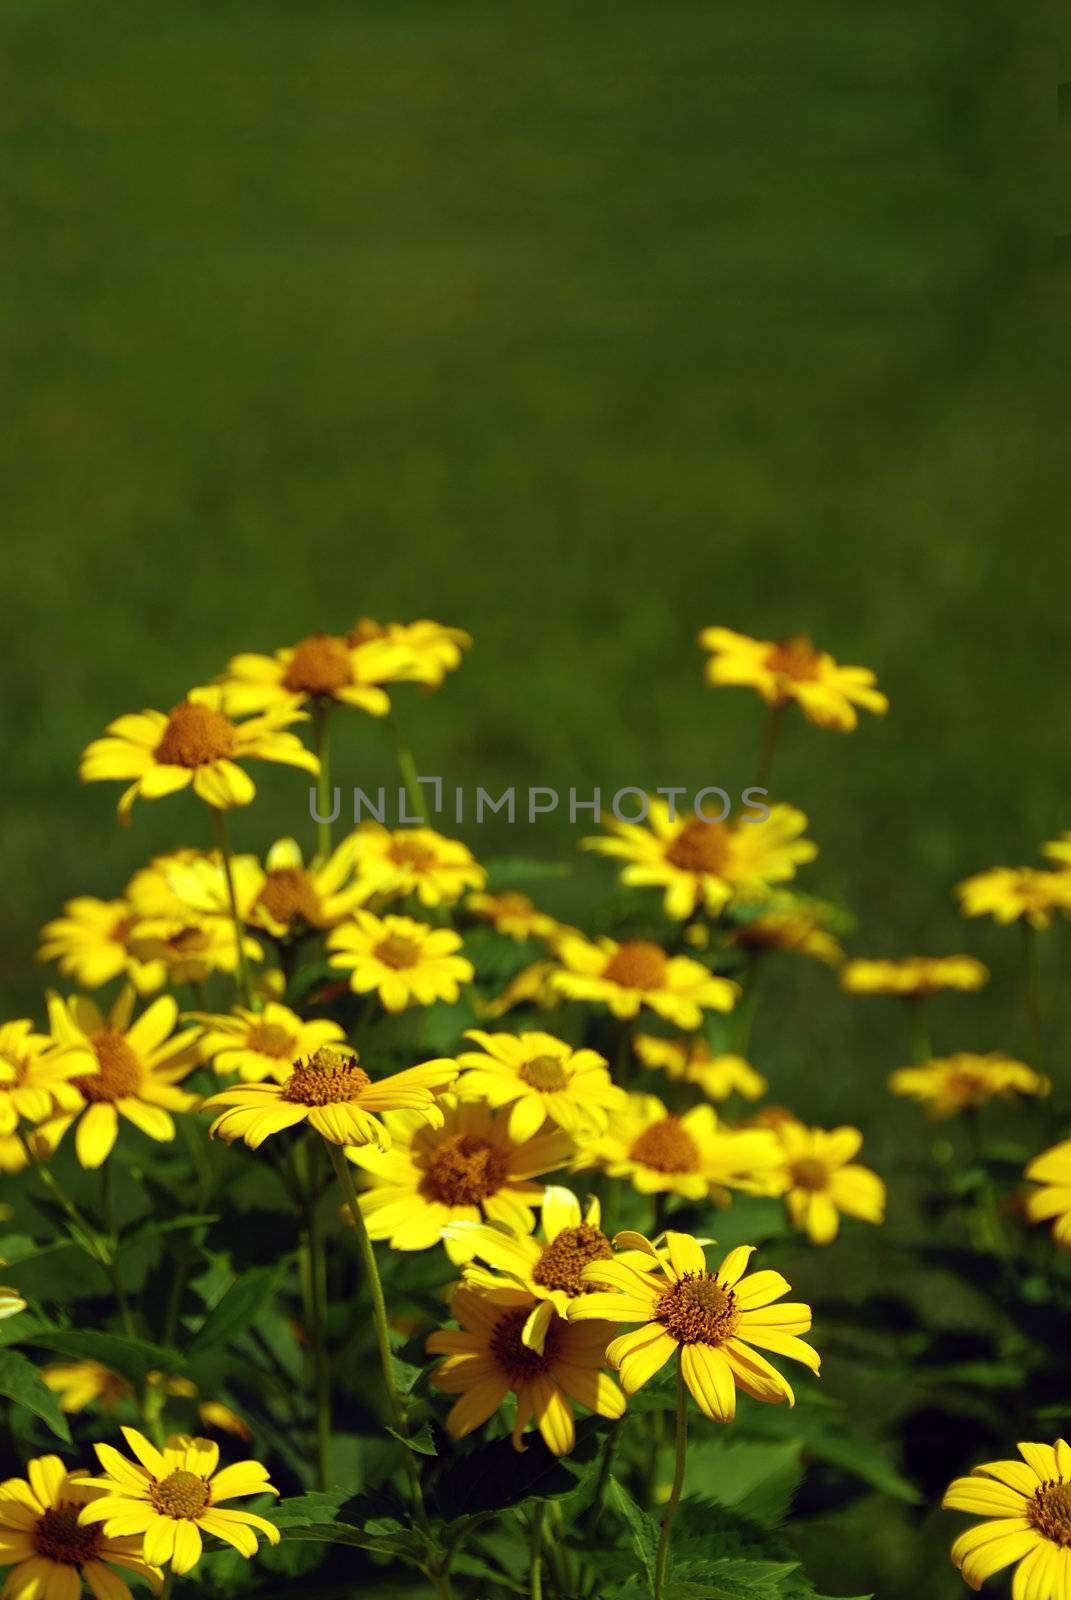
(698, 1310)
(560, 1265)
(289, 895)
(195, 735)
(327, 1078)
(319, 665)
(397, 951)
(182, 1495)
(637, 964)
(270, 1039)
(411, 853)
(1050, 1511)
(59, 1536)
(517, 1361)
(667, 1147)
(794, 658)
(544, 1072)
(464, 1170)
(810, 1174)
(119, 1071)
(700, 847)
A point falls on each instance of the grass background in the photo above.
(579, 328)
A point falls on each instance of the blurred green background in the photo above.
(579, 328)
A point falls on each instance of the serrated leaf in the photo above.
(21, 1383)
(641, 1527)
(756, 1479)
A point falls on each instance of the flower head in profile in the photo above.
(639, 973)
(51, 1551)
(413, 861)
(540, 1079)
(1052, 1202)
(963, 1082)
(514, 915)
(1027, 1509)
(258, 1045)
(131, 1068)
(820, 1180)
(692, 1060)
(288, 897)
(171, 1497)
(196, 745)
(717, 1322)
(79, 1384)
(37, 1078)
(693, 1155)
(468, 1169)
(799, 927)
(93, 942)
(913, 977)
(427, 650)
(792, 669)
(404, 962)
(1008, 894)
(335, 1096)
(318, 670)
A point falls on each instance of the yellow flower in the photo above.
(548, 1268)
(214, 1414)
(531, 986)
(693, 1155)
(792, 927)
(413, 861)
(638, 973)
(820, 1180)
(262, 1044)
(539, 1078)
(11, 1301)
(1059, 849)
(182, 915)
(704, 864)
(335, 1096)
(1028, 1521)
(13, 1157)
(171, 1497)
(693, 1061)
(320, 669)
(84, 1383)
(714, 1319)
(963, 1082)
(428, 650)
(196, 744)
(1052, 1202)
(50, 1551)
(92, 943)
(514, 915)
(487, 1358)
(914, 976)
(36, 1079)
(467, 1170)
(792, 669)
(1008, 893)
(128, 1069)
(288, 897)
(405, 962)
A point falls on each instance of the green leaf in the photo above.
(131, 1358)
(406, 1375)
(21, 1383)
(494, 1476)
(421, 1441)
(641, 1527)
(756, 1479)
(235, 1310)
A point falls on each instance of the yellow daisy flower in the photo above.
(92, 943)
(404, 962)
(50, 1551)
(963, 1082)
(428, 650)
(319, 669)
(514, 915)
(1027, 1507)
(792, 669)
(540, 1079)
(196, 744)
(288, 897)
(693, 1061)
(171, 1497)
(487, 1358)
(533, 986)
(704, 864)
(36, 1079)
(79, 1384)
(1052, 1202)
(820, 1180)
(129, 1068)
(1008, 893)
(262, 1044)
(181, 907)
(335, 1096)
(467, 1170)
(413, 861)
(693, 1155)
(792, 928)
(914, 976)
(639, 973)
(715, 1320)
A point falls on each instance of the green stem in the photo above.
(321, 724)
(243, 985)
(769, 742)
(535, 1546)
(408, 772)
(1033, 993)
(169, 1583)
(678, 1483)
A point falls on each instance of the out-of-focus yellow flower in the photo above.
(319, 669)
(1028, 1521)
(214, 1414)
(792, 669)
(335, 1096)
(36, 1079)
(693, 1061)
(531, 986)
(79, 1384)
(289, 897)
(792, 928)
(914, 976)
(962, 1082)
(1052, 1202)
(716, 1321)
(514, 915)
(92, 943)
(11, 1301)
(639, 973)
(262, 1044)
(540, 1079)
(182, 915)
(693, 1155)
(405, 962)
(13, 1157)
(1059, 850)
(428, 650)
(198, 745)
(704, 864)
(820, 1180)
(413, 861)
(1008, 893)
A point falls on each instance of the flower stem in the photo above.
(408, 771)
(678, 1483)
(169, 1583)
(321, 725)
(535, 1569)
(242, 981)
(315, 1286)
(1033, 994)
(769, 742)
